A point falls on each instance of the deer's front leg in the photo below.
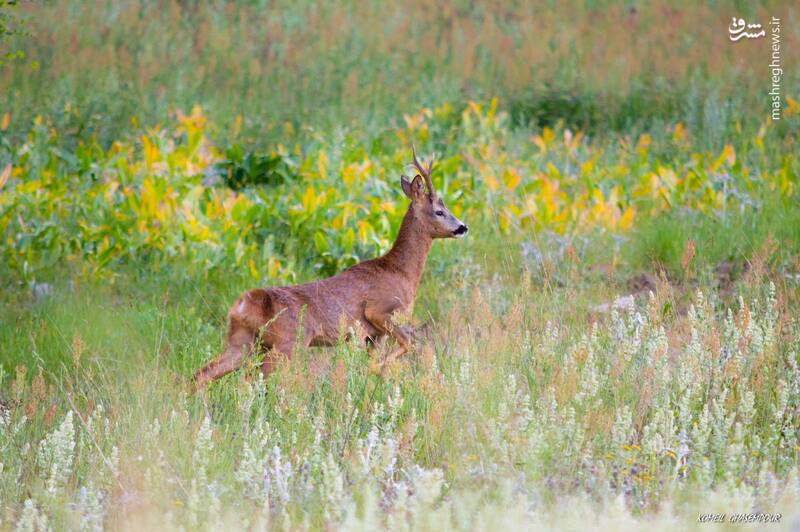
(403, 335)
(381, 317)
(240, 344)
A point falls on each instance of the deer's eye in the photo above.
(439, 213)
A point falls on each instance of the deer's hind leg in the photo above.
(275, 353)
(279, 339)
(241, 340)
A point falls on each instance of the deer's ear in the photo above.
(406, 184)
(413, 189)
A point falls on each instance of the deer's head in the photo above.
(429, 209)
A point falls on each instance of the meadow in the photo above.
(615, 345)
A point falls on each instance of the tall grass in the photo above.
(525, 405)
(259, 65)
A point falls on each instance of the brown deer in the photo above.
(365, 297)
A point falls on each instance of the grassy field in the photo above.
(615, 345)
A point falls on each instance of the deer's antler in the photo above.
(425, 172)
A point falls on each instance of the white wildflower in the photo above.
(332, 489)
(56, 455)
(89, 508)
(203, 445)
(621, 431)
(32, 519)
(276, 477)
(746, 405)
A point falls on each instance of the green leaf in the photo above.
(320, 242)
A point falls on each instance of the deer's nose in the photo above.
(462, 230)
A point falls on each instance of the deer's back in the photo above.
(324, 304)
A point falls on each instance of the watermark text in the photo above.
(775, 68)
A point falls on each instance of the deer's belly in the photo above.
(322, 341)
(331, 328)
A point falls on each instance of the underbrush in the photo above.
(523, 404)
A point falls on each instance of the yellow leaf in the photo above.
(253, 270)
(349, 175)
(626, 219)
(339, 221)
(273, 267)
(5, 174)
(503, 222)
(309, 199)
(150, 151)
(149, 198)
(553, 171)
(491, 182)
(680, 133)
(364, 229)
(5, 121)
(643, 143)
(511, 178)
(492, 108)
(728, 154)
(322, 165)
(543, 141)
(475, 107)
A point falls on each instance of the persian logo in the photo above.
(737, 27)
(740, 30)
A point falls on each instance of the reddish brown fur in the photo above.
(363, 298)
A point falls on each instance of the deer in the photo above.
(365, 299)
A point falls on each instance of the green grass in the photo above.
(733, 237)
(257, 67)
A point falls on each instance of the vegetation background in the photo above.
(618, 336)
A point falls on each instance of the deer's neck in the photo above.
(410, 249)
